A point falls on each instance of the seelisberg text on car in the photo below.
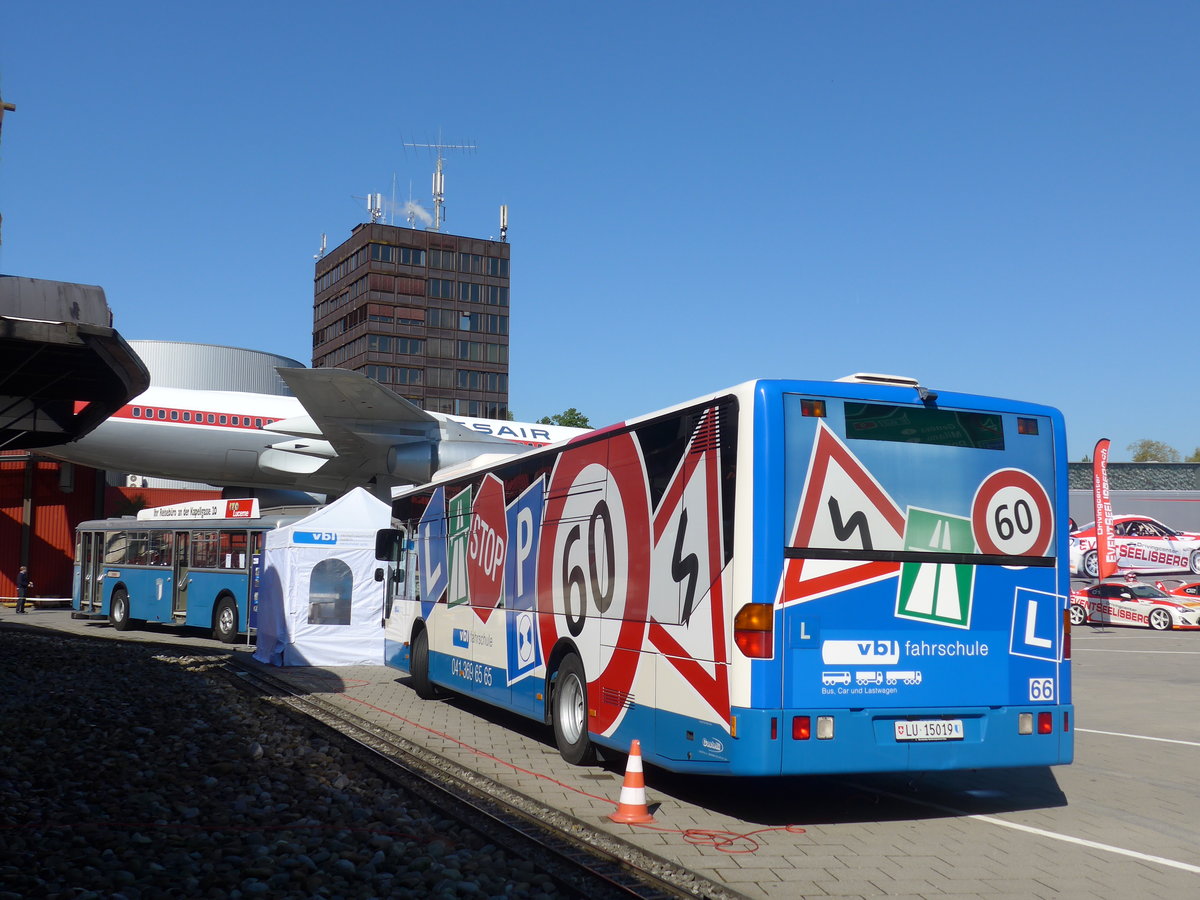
(1135, 604)
(1142, 544)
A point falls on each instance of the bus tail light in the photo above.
(824, 728)
(1045, 722)
(801, 728)
(1025, 723)
(1066, 633)
(753, 630)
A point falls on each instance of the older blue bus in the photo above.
(188, 564)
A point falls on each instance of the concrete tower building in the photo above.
(422, 312)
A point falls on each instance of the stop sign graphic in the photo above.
(486, 547)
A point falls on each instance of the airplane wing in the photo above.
(357, 428)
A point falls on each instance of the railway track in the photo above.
(583, 861)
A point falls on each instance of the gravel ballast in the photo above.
(128, 772)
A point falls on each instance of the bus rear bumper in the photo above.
(869, 740)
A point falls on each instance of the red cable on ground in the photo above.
(724, 841)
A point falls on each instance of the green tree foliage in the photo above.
(572, 418)
(1195, 457)
(1147, 450)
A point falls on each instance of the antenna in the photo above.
(375, 207)
(439, 177)
(504, 222)
(321, 252)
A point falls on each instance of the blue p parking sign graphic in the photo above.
(520, 579)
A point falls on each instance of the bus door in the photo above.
(91, 571)
(181, 575)
(401, 590)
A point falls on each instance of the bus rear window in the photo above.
(921, 425)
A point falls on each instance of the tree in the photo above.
(572, 418)
(1147, 450)
(1195, 457)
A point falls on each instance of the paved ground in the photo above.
(1123, 821)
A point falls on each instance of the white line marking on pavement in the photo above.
(1041, 832)
(1167, 652)
(1139, 737)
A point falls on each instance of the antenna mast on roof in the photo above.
(439, 180)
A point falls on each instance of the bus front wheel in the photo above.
(118, 610)
(419, 668)
(568, 712)
(225, 621)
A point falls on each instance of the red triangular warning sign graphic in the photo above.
(843, 507)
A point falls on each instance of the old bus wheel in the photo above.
(1078, 614)
(1160, 619)
(225, 621)
(118, 610)
(1091, 564)
(419, 667)
(568, 712)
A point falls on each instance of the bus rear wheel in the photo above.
(118, 610)
(225, 621)
(568, 713)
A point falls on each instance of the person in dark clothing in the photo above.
(23, 586)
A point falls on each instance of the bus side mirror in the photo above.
(386, 542)
(379, 574)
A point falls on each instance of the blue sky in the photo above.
(991, 197)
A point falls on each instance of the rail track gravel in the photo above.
(139, 771)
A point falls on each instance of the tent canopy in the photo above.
(319, 603)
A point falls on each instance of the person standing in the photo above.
(23, 586)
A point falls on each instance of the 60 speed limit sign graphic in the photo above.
(594, 566)
(1011, 515)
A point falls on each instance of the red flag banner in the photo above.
(1106, 552)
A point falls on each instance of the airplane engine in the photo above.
(456, 453)
(413, 462)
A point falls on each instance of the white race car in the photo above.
(1142, 544)
(1132, 603)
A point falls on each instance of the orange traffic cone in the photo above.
(632, 809)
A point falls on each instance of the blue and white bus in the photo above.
(186, 564)
(785, 577)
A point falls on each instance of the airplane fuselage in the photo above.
(221, 438)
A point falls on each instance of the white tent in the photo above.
(319, 603)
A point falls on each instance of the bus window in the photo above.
(161, 545)
(115, 548)
(204, 549)
(233, 550)
(138, 551)
(329, 591)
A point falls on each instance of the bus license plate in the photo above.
(929, 730)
